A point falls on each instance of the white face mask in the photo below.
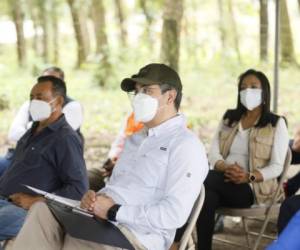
(40, 110)
(144, 107)
(251, 98)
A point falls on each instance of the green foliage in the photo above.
(4, 103)
(208, 71)
(4, 7)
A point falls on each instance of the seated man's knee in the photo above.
(38, 208)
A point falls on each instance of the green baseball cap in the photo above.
(154, 73)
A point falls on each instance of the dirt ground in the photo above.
(233, 231)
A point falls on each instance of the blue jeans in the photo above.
(6, 160)
(11, 219)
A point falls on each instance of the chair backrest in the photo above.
(276, 197)
(192, 219)
(286, 166)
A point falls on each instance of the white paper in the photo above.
(75, 204)
(38, 191)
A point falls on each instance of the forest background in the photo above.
(99, 42)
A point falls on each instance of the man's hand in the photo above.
(24, 200)
(236, 174)
(108, 166)
(102, 204)
(88, 200)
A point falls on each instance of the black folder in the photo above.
(85, 226)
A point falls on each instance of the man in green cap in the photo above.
(155, 181)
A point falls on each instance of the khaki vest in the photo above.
(260, 149)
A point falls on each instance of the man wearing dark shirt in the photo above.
(49, 156)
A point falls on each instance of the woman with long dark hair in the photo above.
(247, 154)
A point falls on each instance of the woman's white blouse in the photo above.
(239, 151)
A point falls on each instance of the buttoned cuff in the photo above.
(127, 214)
(214, 161)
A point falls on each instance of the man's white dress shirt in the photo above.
(157, 180)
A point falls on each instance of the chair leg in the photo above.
(194, 237)
(246, 231)
(191, 244)
(262, 231)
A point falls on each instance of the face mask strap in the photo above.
(53, 100)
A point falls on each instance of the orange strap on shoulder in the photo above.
(132, 126)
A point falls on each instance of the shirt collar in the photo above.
(53, 126)
(177, 121)
(58, 123)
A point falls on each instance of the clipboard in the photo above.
(82, 225)
(66, 202)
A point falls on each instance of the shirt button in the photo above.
(32, 148)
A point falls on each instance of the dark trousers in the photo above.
(287, 210)
(219, 194)
(295, 155)
(293, 184)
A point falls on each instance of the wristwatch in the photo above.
(112, 212)
(252, 177)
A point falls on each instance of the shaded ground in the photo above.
(96, 149)
(233, 231)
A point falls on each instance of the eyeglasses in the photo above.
(145, 90)
(148, 90)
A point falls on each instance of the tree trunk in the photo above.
(98, 15)
(222, 25)
(170, 47)
(55, 31)
(286, 37)
(149, 20)
(264, 27)
(234, 29)
(18, 18)
(43, 13)
(83, 17)
(104, 70)
(34, 14)
(121, 19)
(79, 33)
(143, 5)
